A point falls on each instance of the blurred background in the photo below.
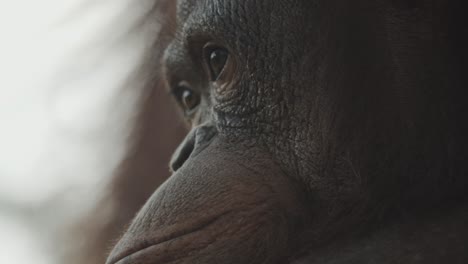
(77, 158)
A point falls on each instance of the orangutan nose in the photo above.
(196, 140)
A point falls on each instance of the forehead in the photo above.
(246, 15)
(185, 7)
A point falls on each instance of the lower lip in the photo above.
(170, 248)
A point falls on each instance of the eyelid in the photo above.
(216, 71)
(175, 89)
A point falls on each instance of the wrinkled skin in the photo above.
(334, 133)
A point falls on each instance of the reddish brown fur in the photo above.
(154, 138)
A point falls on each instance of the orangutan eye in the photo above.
(216, 59)
(187, 98)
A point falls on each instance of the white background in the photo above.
(64, 113)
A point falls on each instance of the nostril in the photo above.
(183, 152)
